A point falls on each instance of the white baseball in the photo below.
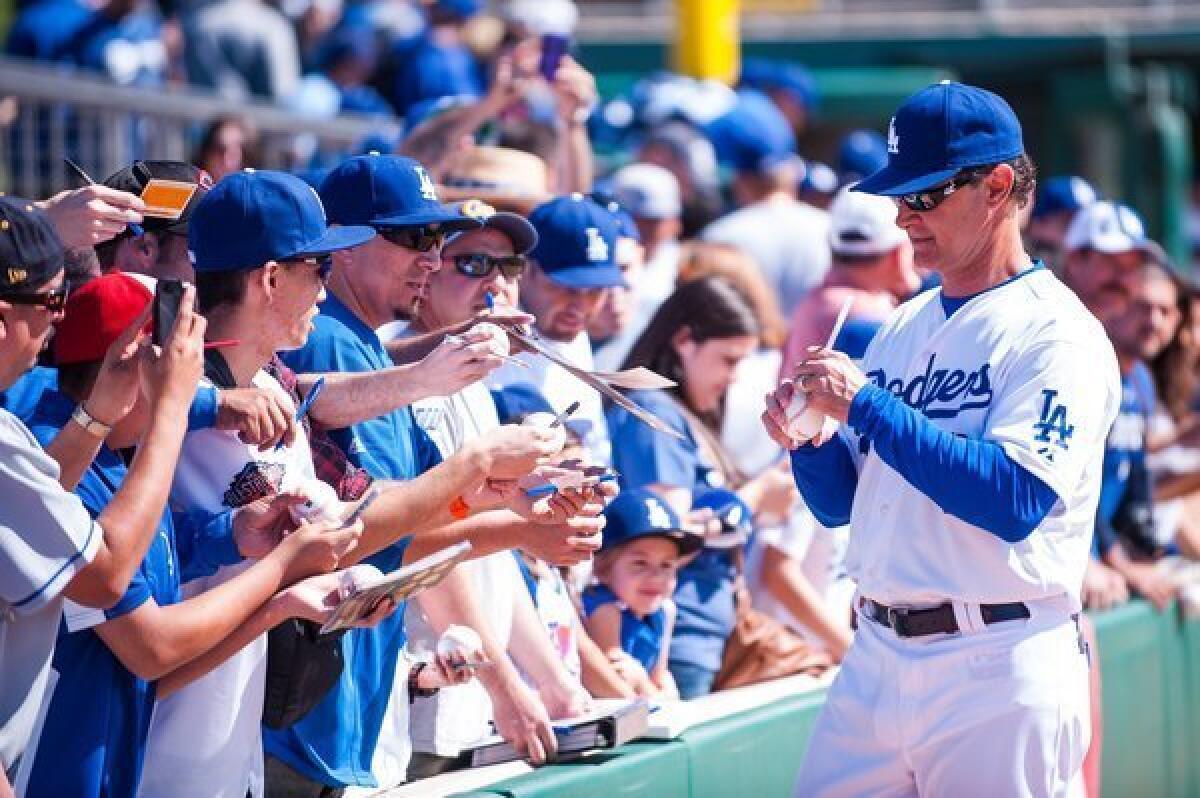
(322, 504)
(544, 420)
(459, 641)
(499, 339)
(803, 423)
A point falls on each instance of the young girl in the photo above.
(629, 613)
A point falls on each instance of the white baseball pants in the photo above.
(1000, 712)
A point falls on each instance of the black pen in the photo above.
(82, 175)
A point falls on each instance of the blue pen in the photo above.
(490, 300)
(306, 403)
(537, 491)
(312, 397)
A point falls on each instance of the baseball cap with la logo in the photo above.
(941, 130)
(387, 191)
(577, 243)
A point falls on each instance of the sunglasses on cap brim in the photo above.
(54, 301)
(418, 239)
(477, 264)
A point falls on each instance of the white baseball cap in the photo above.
(863, 224)
(1107, 227)
(647, 191)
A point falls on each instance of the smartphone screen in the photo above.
(167, 199)
(167, 295)
(554, 47)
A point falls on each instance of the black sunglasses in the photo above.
(54, 301)
(477, 264)
(418, 239)
(922, 201)
(324, 264)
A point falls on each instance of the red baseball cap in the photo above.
(97, 314)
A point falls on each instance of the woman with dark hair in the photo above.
(229, 144)
(697, 338)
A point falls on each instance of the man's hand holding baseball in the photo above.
(831, 381)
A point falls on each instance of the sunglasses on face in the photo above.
(323, 264)
(54, 301)
(418, 239)
(923, 201)
(480, 265)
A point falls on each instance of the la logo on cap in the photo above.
(425, 183)
(656, 514)
(597, 249)
(893, 138)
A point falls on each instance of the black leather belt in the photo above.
(940, 620)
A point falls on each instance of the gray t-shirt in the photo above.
(46, 537)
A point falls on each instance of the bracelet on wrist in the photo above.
(89, 422)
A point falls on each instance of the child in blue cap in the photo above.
(629, 613)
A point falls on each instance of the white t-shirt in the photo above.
(206, 740)
(561, 389)
(788, 239)
(46, 538)
(444, 723)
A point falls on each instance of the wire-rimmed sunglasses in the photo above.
(418, 239)
(477, 264)
(54, 301)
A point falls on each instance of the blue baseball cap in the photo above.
(387, 191)
(941, 130)
(1063, 193)
(861, 153)
(767, 74)
(516, 401)
(735, 515)
(251, 217)
(641, 513)
(752, 136)
(577, 243)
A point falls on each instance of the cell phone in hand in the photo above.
(167, 296)
(554, 47)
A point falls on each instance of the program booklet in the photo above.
(401, 584)
(611, 723)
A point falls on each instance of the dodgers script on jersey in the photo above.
(1023, 364)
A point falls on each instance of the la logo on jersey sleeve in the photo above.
(1052, 430)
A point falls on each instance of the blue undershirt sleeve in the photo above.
(973, 480)
(204, 543)
(203, 412)
(826, 477)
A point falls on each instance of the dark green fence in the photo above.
(1150, 664)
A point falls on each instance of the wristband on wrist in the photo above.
(90, 425)
(459, 509)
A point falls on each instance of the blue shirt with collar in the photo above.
(95, 730)
(335, 742)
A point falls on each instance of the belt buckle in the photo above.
(894, 616)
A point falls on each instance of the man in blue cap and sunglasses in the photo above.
(968, 465)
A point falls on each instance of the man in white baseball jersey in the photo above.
(968, 466)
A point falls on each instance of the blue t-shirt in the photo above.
(641, 638)
(95, 731)
(22, 397)
(704, 592)
(334, 743)
(43, 28)
(1124, 451)
(428, 70)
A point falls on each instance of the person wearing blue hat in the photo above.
(754, 140)
(861, 153)
(371, 284)
(629, 613)
(489, 261)
(1057, 201)
(789, 85)
(572, 266)
(967, 461)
